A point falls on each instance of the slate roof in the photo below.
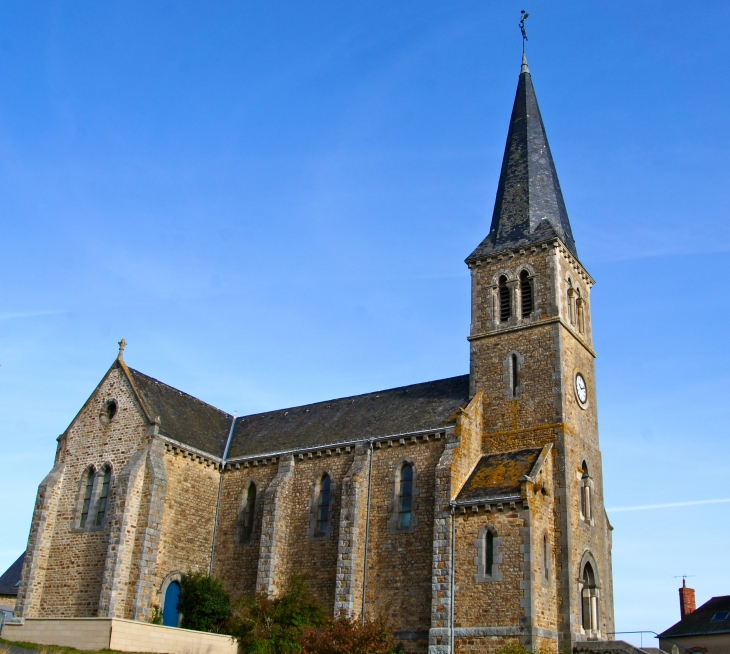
(406, 409)
(183, 417)
(700, 623)
(402, 410)
(11, 577)
(499, 475)
(529, 207)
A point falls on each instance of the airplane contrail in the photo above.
(666, 506)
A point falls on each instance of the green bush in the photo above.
(264, 625)
(204, 603)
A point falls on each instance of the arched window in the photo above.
(248, 513)
(505, 301)
(526, 294)
(405, 496)
(586, 501)
(573, 296)
(514, 373)
(488, 558)
(323, 506)
(580, 304)
(103, 503)
(589, 599)
(88, 489)
(489, 554)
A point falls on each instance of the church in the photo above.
(466, 511)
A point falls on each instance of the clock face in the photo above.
(580, 388)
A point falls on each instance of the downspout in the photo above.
(367, 534)
(220, 491)
(453, 575)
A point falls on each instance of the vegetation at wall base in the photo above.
(264, 625)
(347, 636)
(204, 603)
(156, 616)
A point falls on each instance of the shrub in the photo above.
(516, 648)
(156, 617)
(263, 625)
(204, 603)
(344, 636)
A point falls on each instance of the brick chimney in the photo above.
(687, 603)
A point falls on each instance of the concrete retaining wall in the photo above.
(117, 634)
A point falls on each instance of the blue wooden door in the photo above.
(170, 614)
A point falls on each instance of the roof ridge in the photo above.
(350, 397)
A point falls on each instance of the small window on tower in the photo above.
(489, 554)
(580, 304)
(526, 294)
(514, 373)
(505, 301)
(586, 498)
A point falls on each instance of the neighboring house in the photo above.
(9, 583)
(467, 511)
(706, 629)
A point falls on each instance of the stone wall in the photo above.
(76, 558)
(186, 536)
(236, 561)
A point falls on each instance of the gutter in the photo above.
(220, 492)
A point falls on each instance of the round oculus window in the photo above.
(108, 411)
(581, 389)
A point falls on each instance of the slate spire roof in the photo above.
(529, 207)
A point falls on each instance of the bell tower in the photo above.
(532, 357)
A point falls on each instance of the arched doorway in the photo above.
(170, 613)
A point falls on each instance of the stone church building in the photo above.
(467, 511)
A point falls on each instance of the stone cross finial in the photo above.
(122, 345)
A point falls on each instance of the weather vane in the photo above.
(523, 17)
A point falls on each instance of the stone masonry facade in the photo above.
(503, 538)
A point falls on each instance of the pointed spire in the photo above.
(525, 67)
(529, 207)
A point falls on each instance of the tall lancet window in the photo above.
(586, 494)
(323, 506)
(248, 513)
(514, 373)
(405, 500)
(589, 599)
(489, 553)
(526, 294)
(505, 301)
(580, 307)
(571, 303)
(88, 490)
(103, 504)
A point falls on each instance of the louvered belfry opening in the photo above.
(505, 304)
(526, 293)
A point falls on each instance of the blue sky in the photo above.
(272, 203)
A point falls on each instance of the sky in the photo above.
(272, 203)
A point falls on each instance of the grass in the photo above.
(55, 649)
